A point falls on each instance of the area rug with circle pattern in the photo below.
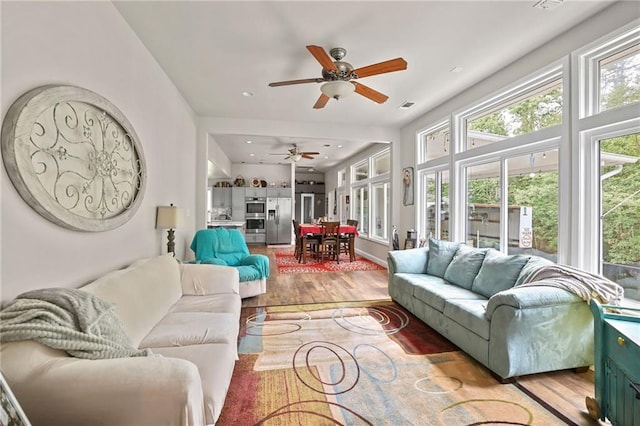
(288, 264)
(362, 364)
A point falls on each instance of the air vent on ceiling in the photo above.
(548, 4)
(406, 105)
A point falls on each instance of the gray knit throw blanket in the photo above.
(584, 284)
(71, 320)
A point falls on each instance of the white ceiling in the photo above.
(214, 51)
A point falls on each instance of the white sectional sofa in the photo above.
(186, 314)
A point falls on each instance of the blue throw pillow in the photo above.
(465, 266)
(441, 254)
(498, 272)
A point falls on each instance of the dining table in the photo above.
(350, 230)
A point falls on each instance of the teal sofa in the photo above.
(473, 298)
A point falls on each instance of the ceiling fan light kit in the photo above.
(337, 76)
(337, 89)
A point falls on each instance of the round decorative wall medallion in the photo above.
(74, 158)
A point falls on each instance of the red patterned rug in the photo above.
(288, 264)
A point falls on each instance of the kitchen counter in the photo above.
(226, 224)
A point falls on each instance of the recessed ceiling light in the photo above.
(325, 157)
(339, 146)
(249, 141)
(248, 94)
(251, 155)
(456, 69)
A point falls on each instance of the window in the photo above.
(608, 145)
(361, 209)
(535, 106)
(381, 201)
(382, 163)
(371, 195)
(619, 82)
(507, 155)
(483, 204)
(434, 143)
(533, 204)
(360, 171)
(434, 191)
(529, 175)
(620, 211)
(609, 72)
(530, 222)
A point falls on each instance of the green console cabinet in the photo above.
(617, 364)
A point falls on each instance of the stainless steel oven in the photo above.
(255, 207)
(255, 226)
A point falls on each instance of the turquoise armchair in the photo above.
(227, 247)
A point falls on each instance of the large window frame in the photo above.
(590, 126)
(369, 184)
(503, 157)
(539, 140)
(576, 139)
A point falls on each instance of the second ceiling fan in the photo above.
(296, 155)
(339, 76)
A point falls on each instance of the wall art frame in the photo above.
(407, 186)
(74, 158)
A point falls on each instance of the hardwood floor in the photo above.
(298, 289)
(562, 391)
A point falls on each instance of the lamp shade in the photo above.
(337, 89)
(167, 217)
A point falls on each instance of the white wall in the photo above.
(404, 154)
(88, 44)
(221, 166)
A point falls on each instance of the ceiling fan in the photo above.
(295, 155)
(338, 76)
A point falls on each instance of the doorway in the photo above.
(306, 208)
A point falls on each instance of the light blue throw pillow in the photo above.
(441, 254)
(465, 266)
(498, 272)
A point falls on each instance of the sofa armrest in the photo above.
(413, 261)
(62, 390)
(259, 261)
(199, 279)
(530, 297)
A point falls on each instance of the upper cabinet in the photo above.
(237, 197)
(279, 192)
(221, 198)
(255, 192)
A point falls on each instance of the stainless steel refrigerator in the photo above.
(278, 220)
